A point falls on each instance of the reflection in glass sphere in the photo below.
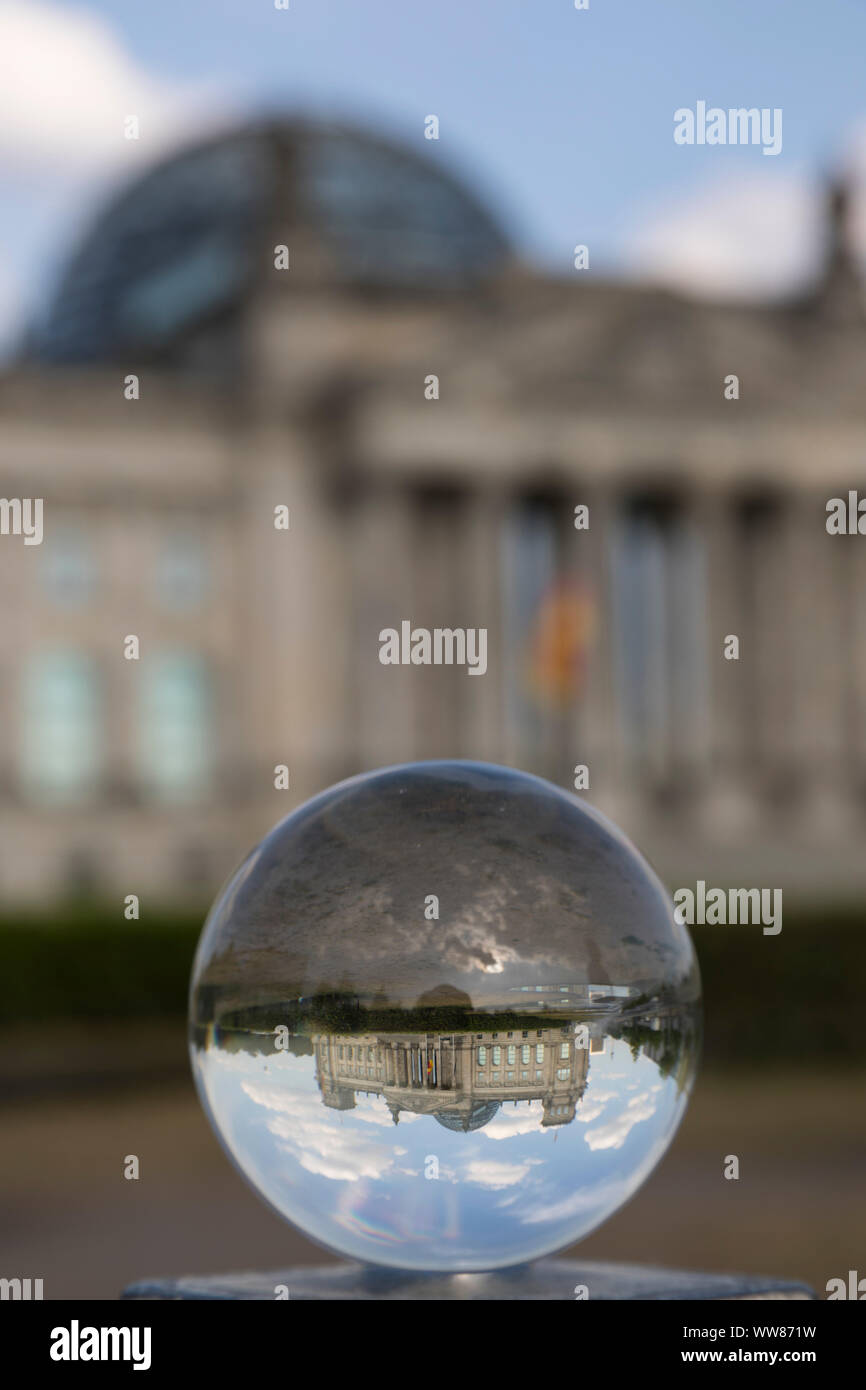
(443, 1018)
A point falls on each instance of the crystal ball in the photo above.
(443, 1018)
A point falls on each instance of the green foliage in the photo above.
(794, 999)
(90, 962)
(345, 1016)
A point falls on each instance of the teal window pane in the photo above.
(175, 747)
(68, 567)
(61, 747)
(182, 572)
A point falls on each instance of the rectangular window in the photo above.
(563, 1050)
(512, 1051)
(539, 1052)
(175, 731)
(61, 747)
(524, 1053)
(497, 1053)
(69, 568)
(182, 572)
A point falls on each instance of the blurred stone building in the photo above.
(431, 412)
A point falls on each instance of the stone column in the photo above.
(442, 599)
(381, 593)
(820, 604)
(768, 656)
(481, 733)
(290, 604)
(727, 807)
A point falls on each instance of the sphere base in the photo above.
(549, 1279)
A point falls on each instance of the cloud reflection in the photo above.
(410, 1150)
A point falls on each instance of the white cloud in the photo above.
(373, 1111)
(67, 85)
(756, 236)
(590, 1109)
(307, 1131)
(493, 1174)
(593, 1104)
(613, 1134)
(508, 1123)
(593, 1201)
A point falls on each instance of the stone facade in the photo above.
(310, 389)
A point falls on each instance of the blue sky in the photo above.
(562, 118)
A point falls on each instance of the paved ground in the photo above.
(67, 1215)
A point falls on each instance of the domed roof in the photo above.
(462, 1121)
(179, 247)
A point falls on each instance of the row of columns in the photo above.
(789, 715)
(793, 595)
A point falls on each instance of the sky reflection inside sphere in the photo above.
(420, 1195)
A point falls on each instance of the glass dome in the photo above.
(181, 245)
(478, 1115)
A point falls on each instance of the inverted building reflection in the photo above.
(462, 1079)
(462, 1076)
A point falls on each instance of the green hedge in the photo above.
(795, 998)
(92, 963)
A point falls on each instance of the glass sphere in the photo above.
(443, 1017)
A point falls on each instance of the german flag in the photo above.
(559, 641)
